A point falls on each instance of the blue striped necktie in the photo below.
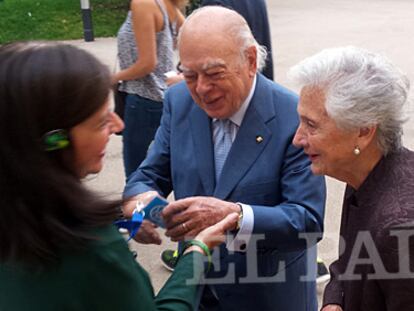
(222, 144)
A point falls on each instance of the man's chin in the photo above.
(214, 114)
(316, 170)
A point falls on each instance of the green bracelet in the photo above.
(203, 246)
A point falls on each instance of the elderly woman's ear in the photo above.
(366, 138)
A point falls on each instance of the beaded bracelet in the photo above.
(203, 246)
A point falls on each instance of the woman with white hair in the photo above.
(351, 117)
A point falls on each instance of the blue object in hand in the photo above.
(132, 225)
(152, 211)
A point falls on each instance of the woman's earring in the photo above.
(357, 151)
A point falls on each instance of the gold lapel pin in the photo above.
(259, 139)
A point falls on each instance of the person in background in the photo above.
(255, 14)
(146, 52)
(351, 123)
(58, 247)
(225, 145)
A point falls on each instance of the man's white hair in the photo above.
(237, 29)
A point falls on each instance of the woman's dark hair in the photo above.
(44, 206)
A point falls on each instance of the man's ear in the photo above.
(366, 136)
(251, 56)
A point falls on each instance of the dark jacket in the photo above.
(372, 273)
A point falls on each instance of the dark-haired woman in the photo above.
(58, 247)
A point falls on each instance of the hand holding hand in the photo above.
(188, 217)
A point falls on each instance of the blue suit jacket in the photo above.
(255, 13)
(272, 176)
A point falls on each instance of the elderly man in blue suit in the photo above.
(225, 145)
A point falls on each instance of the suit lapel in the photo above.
(243, 153)
(203, 146)
(251, 140)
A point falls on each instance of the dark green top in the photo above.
(105, 276)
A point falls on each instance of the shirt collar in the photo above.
(238, 117)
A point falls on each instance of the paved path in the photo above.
(299, 29)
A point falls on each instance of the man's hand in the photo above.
(332, 308)
(187, 217)
(131, 203)
(147, 234)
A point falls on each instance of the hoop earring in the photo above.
(357, 151)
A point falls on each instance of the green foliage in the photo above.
(57, 19)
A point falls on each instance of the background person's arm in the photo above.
(144, 26)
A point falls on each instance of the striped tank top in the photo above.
(151, 86)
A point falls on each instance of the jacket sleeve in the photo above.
(120, 283)
(299, 218)
(180, 291)
(334, 292)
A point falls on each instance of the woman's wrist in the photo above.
(197, 246)
(194, 248)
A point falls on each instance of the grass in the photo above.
(57, 19)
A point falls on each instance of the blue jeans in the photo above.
(142, 118)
